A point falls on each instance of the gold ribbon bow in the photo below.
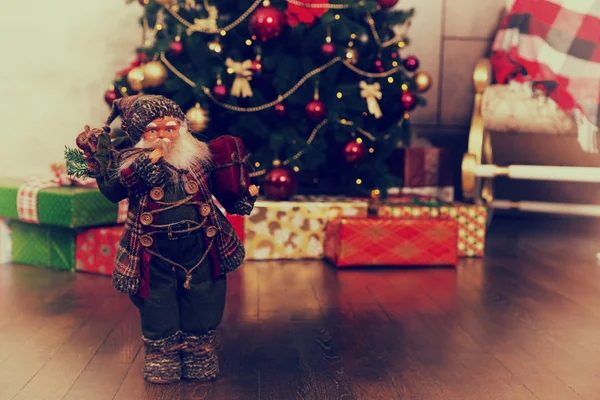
(372, 93)
(243, 71)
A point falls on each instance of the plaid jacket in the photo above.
(132, 263)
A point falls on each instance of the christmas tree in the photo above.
(320, 91)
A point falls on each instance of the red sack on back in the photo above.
(231, 175)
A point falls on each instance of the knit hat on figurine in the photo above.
(138, 111)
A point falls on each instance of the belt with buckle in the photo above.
(180, 230)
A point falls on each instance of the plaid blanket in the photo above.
(553, 46)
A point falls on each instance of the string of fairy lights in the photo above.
(209, 25)
(282, 97)
(204, 25)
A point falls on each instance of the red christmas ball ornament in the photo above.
(176, 48)
(316, 111)
(378, 65)
(387, 3)
(328, 50)
(142, 58)
(267, 23)
(411, 63)
(280, 183)
(220, 92)
(409, 101)
(257, 67)
(355, 151)
(394, 55)
(280, 110)
(110, 96)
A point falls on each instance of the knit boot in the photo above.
(200, 362)
(162, 363)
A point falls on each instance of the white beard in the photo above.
(186, 153)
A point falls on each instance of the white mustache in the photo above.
(162, 143)
(184, 152)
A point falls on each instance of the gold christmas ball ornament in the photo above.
(197, 119)
(135, 78)
(155, 74)
(422, 81)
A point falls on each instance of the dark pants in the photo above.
(170, 307)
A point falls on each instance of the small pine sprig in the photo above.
(76, 164)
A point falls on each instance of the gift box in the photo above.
(66, 206)
(422, 166)
(5, 242)
(391, 242)
(43, 245)
(231, 171)
(472, 219)
(97, 249)
(238, 223)
(442, 193)
(91, 250)
(295, 229)
(472, 225)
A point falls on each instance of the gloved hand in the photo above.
(244, 205)
(103, 155)
(151, 173)
(96, 146)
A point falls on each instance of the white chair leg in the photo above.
(586, 210)
(540, 173)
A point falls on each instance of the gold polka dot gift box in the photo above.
(295, 229)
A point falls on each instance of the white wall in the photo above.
(449, 36)
(52, 83)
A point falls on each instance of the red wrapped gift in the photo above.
(97, 249)
(238, 222)
(231, 172)
(383, 241)
(422, 167)
(471, 219)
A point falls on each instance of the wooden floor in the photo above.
(524, 323)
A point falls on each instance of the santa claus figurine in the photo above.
(177, 247)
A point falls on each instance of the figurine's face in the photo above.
(161, 129)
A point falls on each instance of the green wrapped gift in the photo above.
(67, 206)
(43, 245)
